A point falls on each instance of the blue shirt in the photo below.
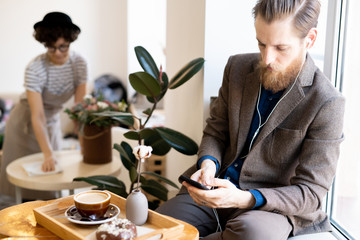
(267, 102)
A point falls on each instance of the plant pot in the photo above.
(96, 144)
(137, 207)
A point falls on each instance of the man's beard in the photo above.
(277, 80)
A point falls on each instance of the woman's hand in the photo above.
(49, 164)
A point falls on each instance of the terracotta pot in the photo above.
(137, 207)
(96, 144)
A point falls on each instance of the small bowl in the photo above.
(92, 204)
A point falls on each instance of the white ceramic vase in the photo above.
(137, 207)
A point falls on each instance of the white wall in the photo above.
(184, 105)
(148, 29)
(103, 40)
(229, 30)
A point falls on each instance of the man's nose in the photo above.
(269, 56)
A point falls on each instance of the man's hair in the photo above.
(305, 13)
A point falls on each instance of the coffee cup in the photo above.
(92, 204)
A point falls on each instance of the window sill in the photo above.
(334, 235)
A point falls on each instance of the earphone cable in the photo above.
(258, 111)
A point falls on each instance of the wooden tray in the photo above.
(163, 226)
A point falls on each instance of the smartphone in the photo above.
(193, 183)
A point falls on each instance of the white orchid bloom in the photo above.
(102, 105)
(141, 152)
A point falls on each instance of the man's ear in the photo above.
(311, 38)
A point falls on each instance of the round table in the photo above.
(72, 166)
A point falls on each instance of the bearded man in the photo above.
(271, 144)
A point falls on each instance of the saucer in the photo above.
(74, 216)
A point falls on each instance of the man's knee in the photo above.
(258, 225)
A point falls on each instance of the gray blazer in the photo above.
(294, 158)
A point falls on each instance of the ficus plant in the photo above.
(154, 84)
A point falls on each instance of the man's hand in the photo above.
(226, 195)
(206, 173)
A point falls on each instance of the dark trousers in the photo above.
(236, 223)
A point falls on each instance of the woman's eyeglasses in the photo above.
(62, 48)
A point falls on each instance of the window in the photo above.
(345, 207)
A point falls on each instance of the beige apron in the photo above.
(20, 139)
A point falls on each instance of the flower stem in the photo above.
(138, 175)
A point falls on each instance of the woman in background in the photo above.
(51, 79)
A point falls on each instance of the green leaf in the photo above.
(145, 84)
(156, 189)
(164, 88)
(128, 121)
(178, 141)
(133, 174)
(133, 135)
(147, 111)
(100, 180)
(126, 159)
(122, 117)
(187, 72)
(142, 134)
(160, 146)
(146, 61)
(112, 114)
(168, 181)
(129, 151)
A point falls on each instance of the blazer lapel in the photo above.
(247, 107)
(283, 109)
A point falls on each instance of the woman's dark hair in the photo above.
(49, 35)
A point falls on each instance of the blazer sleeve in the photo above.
(216, 133)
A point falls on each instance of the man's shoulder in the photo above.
(247, 56)
(243, 63)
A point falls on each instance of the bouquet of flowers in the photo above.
(91, 110)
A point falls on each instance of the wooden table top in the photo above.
(18, 222)
(72, 165)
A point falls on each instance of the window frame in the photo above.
(334, 69)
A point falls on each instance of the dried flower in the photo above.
(141, 152)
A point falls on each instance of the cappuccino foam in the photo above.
(92, 197)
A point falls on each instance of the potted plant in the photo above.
(95, 133)
(154, 84)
